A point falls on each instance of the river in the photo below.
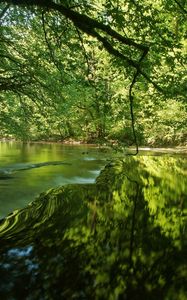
(122, 235)
(20, 181)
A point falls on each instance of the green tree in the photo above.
(144, 43)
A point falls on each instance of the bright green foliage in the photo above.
(91, 72)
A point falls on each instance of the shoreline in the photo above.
(177, 148)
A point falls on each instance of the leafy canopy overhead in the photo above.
(49, 43)
(126, 30)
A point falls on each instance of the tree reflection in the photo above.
(122, 238)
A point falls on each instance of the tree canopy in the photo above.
(108, 70)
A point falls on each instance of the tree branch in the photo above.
(84, 52)
(83, 22)
(89, 26)
(3, 12)
(51, 52)
(181, 7)
(129, 61)
(132, 111)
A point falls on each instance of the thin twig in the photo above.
(48, 45)
(131, 98)
(84, 51)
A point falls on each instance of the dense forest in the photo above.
(94, 71)
(106, 225)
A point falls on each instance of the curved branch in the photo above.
(84, 51)
(83, 22)
(51, 52)
(181, 7)
(130, 62)
(89, 26)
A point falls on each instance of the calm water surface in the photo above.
(19, 186)
(124, 237)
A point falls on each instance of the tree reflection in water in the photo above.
(121, 238)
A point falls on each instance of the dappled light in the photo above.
(109, 72)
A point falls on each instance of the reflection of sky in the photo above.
(76, 179)
(95, 172)
(20, 252)
(89, 158)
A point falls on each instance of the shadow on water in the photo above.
(121, 238)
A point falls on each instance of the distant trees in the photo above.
(93, 71)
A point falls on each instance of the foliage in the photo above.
(87, 71)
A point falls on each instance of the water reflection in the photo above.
(122, 238)
(29, 169)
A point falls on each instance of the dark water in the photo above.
(124, 237)
(20, 182)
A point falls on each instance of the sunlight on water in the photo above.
(23, 174)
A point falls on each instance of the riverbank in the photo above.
(106, 145)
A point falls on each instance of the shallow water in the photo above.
(20, 182)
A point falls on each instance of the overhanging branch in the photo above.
(181, 6)
(91, 27)
(107, 45)
(83, 22)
